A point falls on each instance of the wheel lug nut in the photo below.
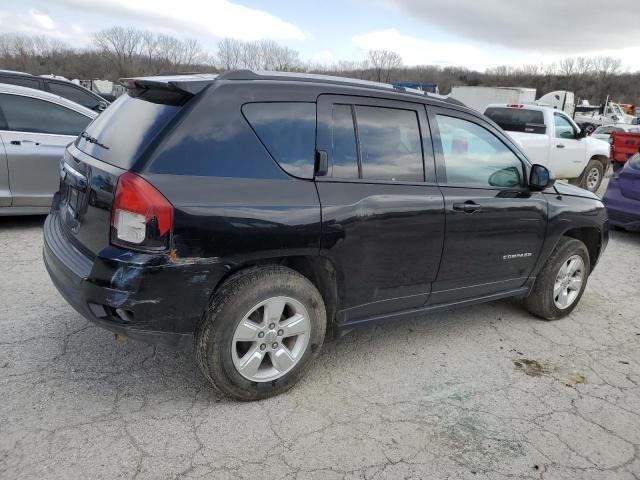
(263, 346)
(272, 326)
(261, 334)
(280, 332)
(274, 345)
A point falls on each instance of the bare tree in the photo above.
(121, 47)
(384, 62)
(230, 53)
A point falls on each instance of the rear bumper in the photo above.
(141, 296)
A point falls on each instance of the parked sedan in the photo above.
(57, 86)
(622, 197)
(604, 131)
(35, 128)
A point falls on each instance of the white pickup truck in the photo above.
(551, 138)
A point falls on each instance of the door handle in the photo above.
(467, 207)
(559, 145)
(21, 142)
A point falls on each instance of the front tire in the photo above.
(561, 283)
(260, 332)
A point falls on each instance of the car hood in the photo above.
(566, 189)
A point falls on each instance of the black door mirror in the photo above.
(102, 106)
(540, 178)
(582, 133)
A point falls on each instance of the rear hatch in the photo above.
(112, 144)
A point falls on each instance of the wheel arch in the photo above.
(603, 159)
(591, 237)
(318, 269)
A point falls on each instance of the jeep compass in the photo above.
(252, 214)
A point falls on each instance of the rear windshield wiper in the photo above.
(93, 140)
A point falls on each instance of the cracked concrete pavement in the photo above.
(486, 392)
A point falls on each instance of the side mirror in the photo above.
(102, 106)
(582, 133)
(540, 178)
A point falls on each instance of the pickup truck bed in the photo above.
(623, 146)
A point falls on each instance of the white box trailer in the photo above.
(479, 97)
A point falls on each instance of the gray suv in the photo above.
(35, 128)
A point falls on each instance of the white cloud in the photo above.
(220, 18)
(34, 22)
(416, 51)
(41, 19)
(550, 26)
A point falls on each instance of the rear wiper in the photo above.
(93, 140)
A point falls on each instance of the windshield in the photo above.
(122, 132)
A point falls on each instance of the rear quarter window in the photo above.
(288, 131)
(517, 119)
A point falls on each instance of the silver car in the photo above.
(604, 132)
(35, 128)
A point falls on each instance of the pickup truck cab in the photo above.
(551, 138)
(249, 214)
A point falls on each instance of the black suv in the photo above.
(63, 88)
(253, 214)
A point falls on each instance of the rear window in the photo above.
(517, 119)
(125, 129)
(288, 132)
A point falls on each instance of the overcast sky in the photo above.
(473, 33)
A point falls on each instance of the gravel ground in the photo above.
(482, 392)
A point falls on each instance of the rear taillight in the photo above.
(141, 217)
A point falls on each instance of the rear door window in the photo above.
(344, 152)
(288, 131)
(517, 119)
(23, 82)
(26, 114)
(75, 94)
(390, 144)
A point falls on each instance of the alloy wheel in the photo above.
(568, 282)
(271, 339)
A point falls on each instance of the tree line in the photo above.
(119, 52)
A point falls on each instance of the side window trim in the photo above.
(325, 103)
(441, 169)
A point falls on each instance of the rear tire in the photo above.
(589, 128)
(244, 328)
(544, 300)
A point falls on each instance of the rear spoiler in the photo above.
(188, 84)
